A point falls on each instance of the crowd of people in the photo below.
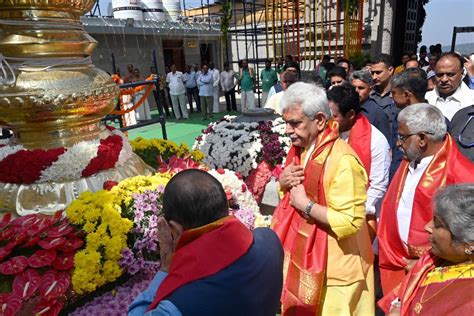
(377, 199)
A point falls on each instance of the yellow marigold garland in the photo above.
(99, 216)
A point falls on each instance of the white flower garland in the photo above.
(74, 160)
(232, 183)
(236, 146)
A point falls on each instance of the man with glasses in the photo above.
(431, 160)
(451, 93)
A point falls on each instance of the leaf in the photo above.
(26, 283)
(14, 265)
(48, 308)
(42, 258)
(10, 304)
(64, 261)
(54, 284)
(51, 242)
(60, 230)
(5, 220)
(71, 244)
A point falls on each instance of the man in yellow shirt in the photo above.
(328, 267)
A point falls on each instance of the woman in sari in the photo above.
(442, 281)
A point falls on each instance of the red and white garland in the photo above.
(21, 166)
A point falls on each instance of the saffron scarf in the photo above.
(450, 294)
(448, 166)
(223, 242)
(360, 140)
(305, 243)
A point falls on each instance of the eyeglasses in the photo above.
(462, 131)
(402, 138)
(449, 74)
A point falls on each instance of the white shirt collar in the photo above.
(424, 162)
(459, 95)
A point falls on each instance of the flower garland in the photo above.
(21, 166)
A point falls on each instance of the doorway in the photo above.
(173, 53)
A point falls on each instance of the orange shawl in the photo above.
(448, 166)
(228, 239)
(305, 244)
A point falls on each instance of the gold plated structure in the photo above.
(51, 95)
(56, 96)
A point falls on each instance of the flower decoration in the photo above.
(36, 259)
(21, 166)
(241, 146)
(154, 151)
(106, 219)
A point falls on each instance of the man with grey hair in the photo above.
(431, 160)
(322, 213)
(362, 81)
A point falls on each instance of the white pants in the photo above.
(180, 102)
(248, 100)
(264, 98)
(216, 108)
(129, 118)
(143, 112)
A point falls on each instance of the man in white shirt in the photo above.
(216, 77)
(451, 93)
(367, 141)
(175, 80)
(228, 86)
(431, 160)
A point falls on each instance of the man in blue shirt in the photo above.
(205, 83)
(211, 264)
(192, 91)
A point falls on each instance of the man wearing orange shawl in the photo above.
(321, 219)
(431, 160)
(367, 141)
(211, 263)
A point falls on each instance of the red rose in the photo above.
(108, 185)
(107, 156)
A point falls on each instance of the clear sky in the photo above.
(442, 16)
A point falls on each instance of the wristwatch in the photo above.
(307, 210)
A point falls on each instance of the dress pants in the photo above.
(206, 106)
(216, 108)
(193, 93)
(179, 103)
(230, 100)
